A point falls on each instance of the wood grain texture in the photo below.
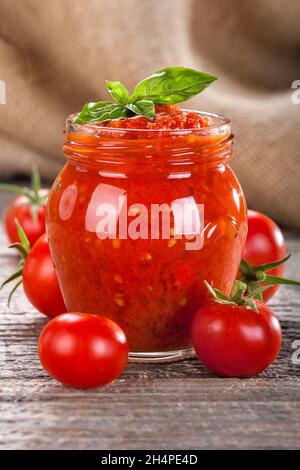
(178, 406)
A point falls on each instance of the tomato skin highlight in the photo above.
(20, 209)
(264, 244)
(235, 341)
(40, 280)
(82, 350)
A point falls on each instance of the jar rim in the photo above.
(220, 125)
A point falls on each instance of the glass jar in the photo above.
(138, 219)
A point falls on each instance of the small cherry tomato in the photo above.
(265, 244)
(40, 280)
(37, 273)
(83, 350)
(33, 225)
(29, 208)
(235, 341)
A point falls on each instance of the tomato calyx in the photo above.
(253, 275)
(238, 295)
(23, 248)
(34, 196)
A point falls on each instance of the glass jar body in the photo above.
(151, 284)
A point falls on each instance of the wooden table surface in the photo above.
(175, 406)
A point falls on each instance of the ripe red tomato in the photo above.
(20, 209)
(235, 341)
(264, 244)
(83, 350)
(40, 280)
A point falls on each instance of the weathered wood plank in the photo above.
(162, 414)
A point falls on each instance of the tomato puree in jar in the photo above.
(150, 286)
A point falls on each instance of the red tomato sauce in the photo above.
(166, 117)
(150, 287)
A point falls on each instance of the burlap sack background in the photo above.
(55, 56)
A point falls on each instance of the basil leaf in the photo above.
(118, 92)
(167, 86)
(101, 111)
(171, 85)
(143, 107)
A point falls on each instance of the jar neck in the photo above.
(93, 147)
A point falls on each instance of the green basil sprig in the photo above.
(171, 85)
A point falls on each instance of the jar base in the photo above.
(161, 356)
